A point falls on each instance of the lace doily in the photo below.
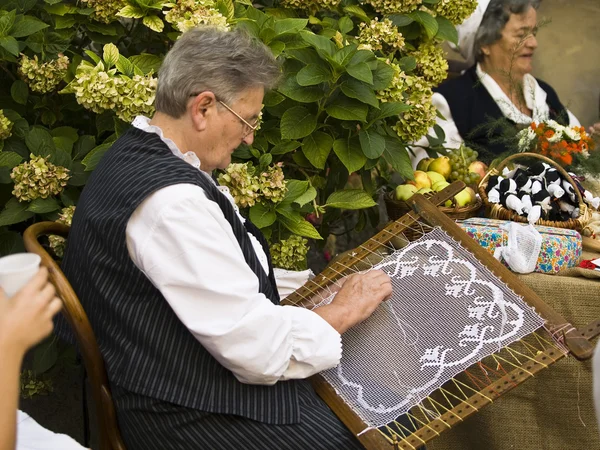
(447, 312)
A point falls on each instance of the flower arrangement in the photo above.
(555, 141)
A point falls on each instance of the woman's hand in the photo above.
(595, 129)
(26, 317)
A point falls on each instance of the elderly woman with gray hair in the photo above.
(499, 39)
(179, 287)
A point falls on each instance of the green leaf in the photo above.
(6, 22)
(27, 26)
(361, 71)
(319, 42)
(427, 21)
(289, 26)
(10, 44)
(11, 242)
(308, 196)
(262, 216)
(390, 109)
(347, 109)
(105, 29)
(295, 188)
(313, 74)
(407, 63)
(297, 122)
(131, 12)
(350, 199)
(62, 22)
(226, 8)
(78, 174)
(396, 155)
(60, 157)
(316, 147)
(146, 62)
(155, 23)
(382, 76)
(446, 30)
(10, 159)
(305, 55)
(350, 155)
(43, 205)
(60, 9)
(401, 20)
(124, 66)
(83, 146)
(45, 356)
(301, 227)
(14, 212)
(362, 56)
(110, 55)
(93, 56)
(360, 91)
(345, 24)
(304, 94)
(39, 142)
(357, 11)
(372, 143)
(19, 92)
(344, 55)
(273, 98)
(92, 159)
(285, 147)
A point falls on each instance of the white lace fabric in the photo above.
(447, 312)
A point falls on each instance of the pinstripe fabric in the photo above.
(149, 424)
(147, 350)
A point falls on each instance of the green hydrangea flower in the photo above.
(456, 11)
(188, 14)
(38, 178)
(431, 63)
(136, 97)
(243, 185)
(5, 126)
(395, 91)
(57, 243)
(311, 5)
(272, 184)
(380, 36)
(290, 253)
(105, 10)
(414, 123)
(395, 6)
(43, 77)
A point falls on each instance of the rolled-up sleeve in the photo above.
(187, 249)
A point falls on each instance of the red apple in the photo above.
(479, 168)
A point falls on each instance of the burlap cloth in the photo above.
(554, 410)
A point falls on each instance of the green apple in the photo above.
(405, 191)
(424, 164)
(435, 177)
(440, 186)
(424, 190)
(463, 198)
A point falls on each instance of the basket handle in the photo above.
(504, 163)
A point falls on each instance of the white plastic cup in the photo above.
(16, 270)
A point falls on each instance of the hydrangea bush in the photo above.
(356, 89)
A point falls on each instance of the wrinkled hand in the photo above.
(595, 129)
(361, 294)
(26, 318)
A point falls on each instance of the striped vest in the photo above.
(146, 348)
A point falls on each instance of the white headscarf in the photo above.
(468, 30)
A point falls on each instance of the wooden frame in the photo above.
(109, 435)
(426, 211)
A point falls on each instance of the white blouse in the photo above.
(535, 99)
(185, 246)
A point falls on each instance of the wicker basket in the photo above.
(497, 211)
(397, 208)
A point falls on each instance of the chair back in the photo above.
(108, 430)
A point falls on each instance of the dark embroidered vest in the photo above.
(477, 115)
(146, 348)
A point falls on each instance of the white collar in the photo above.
(535, 99)
(143, 123)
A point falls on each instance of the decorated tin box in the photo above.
(561, 248)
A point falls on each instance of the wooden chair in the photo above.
(109, 435)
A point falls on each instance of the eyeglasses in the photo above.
(248, 127)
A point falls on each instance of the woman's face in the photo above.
(512, 54)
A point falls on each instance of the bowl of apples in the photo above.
(433, 176)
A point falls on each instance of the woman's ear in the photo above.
(201, 109)
(485, 50)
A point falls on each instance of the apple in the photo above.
(463, 198)
(442, 166)
(405, 191)
(424, 191)
(424, 164)
(440, 186)
(479, 168)
(421, 180)
(472, 194)
(448, 204)
(435, 177)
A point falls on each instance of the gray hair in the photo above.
(495, 19)
(208, 59)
